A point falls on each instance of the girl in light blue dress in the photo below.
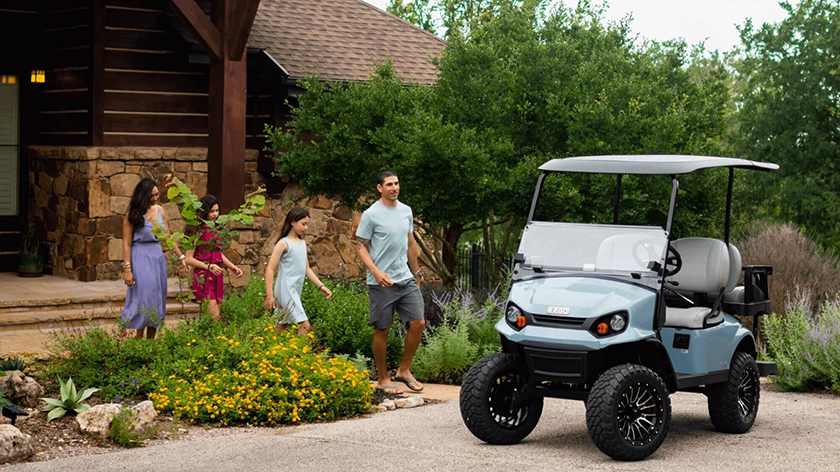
(289, 255)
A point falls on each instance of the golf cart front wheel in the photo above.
(628, 412)
(733, 405)
(489, 403)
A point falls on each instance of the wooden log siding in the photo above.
(62, 105)
(153, 95)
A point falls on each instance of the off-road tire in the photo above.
(488, 375)
(733, 405)
(607, 412)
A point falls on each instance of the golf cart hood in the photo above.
(584, 296)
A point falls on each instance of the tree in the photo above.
(790, 114)
(451, 18)
(519, 90)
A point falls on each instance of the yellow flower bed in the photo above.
(268, 379)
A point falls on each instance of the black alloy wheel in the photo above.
(490, 390)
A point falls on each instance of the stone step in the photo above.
(96, 311)
(35, 338)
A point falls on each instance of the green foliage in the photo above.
(466, 335)
(267, 378)
(12, 364)
(97, 357)
(520, 89)
(122, 430)
(70, 400)
(3, 400)
(456, 17)
(790, 116)
(341, 323)
(805, 347)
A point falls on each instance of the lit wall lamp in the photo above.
(37, 77)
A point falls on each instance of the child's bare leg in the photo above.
(150, 332)
(214, 309)
(304, 328)
(280, 327)
(138, 333)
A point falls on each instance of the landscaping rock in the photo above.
(21, 390)
(388, 405)
(409, 402)
(14, 445)
(144, 414)
(97, 421)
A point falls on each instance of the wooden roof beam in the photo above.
(240, 27)
(204, 29)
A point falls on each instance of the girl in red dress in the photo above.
(207, 260)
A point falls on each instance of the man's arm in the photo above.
(412, 258)
(364, 256)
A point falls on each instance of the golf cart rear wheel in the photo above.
(628, 412)
(733, 405)
(487, 396)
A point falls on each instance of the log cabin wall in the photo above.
(61, 110)
(155, 81)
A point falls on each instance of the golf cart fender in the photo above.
(743, 342)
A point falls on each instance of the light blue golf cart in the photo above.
(621, 317)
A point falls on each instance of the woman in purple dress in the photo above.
(144, 262)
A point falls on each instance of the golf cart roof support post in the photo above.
(728, 206)
(617, 198)
(536, 196)
(675, 187)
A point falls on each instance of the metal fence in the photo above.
(472, 270)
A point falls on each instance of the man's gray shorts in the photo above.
(403, 297)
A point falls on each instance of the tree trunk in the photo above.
(450, 256)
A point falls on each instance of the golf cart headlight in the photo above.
(512, 314)
(617, 323)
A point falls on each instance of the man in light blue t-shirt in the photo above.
(393, 277)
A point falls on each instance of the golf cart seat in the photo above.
(707, 267)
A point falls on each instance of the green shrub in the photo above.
(341, 323)
(122, 430)
(269, 379)
(99, 357)
(265, 378)
(466, 335)
(805, 347)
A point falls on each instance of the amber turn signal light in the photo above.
(520, 322)
(603, 328)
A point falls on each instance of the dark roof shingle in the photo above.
(342, 40)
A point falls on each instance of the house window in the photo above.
(8, 79)
(37, 77)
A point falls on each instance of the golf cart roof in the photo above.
(649, 164)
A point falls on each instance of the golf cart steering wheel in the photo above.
(672, 259)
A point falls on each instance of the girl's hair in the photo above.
(295, 214)
(141, 199)
(207, 203)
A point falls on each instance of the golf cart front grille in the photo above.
(556, 366)
(558, 322)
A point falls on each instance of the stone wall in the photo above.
(79, 196)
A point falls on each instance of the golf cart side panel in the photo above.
(585, 299)
(708, 350)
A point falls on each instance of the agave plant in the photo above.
(70, 400)
(12, 364)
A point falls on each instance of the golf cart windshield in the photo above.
(593, 248)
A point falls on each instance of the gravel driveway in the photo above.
(793, 432)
